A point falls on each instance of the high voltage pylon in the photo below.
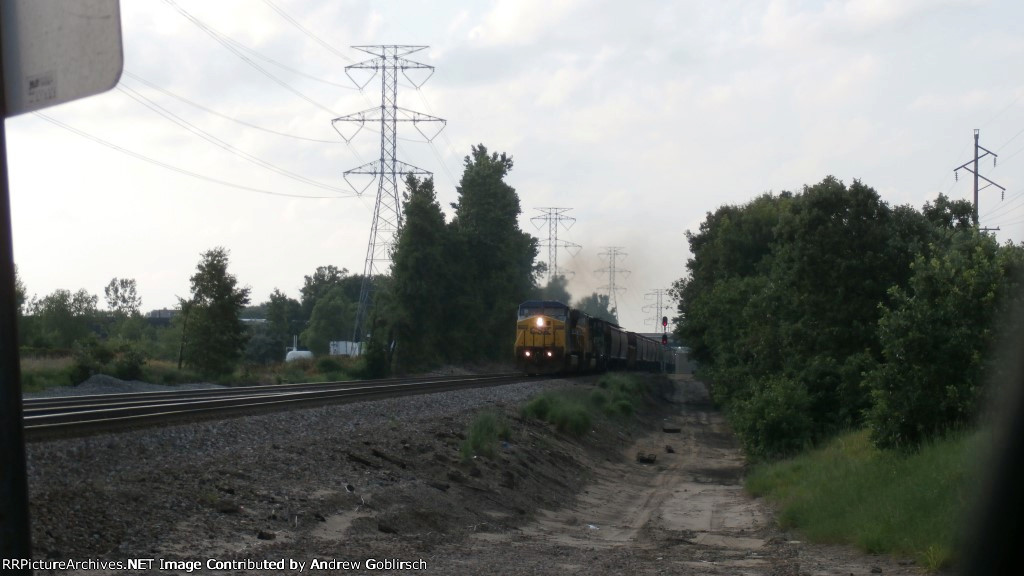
(613, 253)
(966, 166)
(387, 170)
(657, 295)
(553, 217)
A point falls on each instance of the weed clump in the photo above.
(484, 432)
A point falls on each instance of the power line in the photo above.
(218, 142)
(177, 169)
(227, 44)
(178, 97)
(306, 31)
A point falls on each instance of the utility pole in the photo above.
(656, 306)
(388, 61)
(967, 166)
(613, 253)
(553, 217)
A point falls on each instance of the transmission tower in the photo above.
(388, 170)
(656, 305)
(613, 253)
(553, 217)
(974, 170)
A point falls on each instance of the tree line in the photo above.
(828, 309)
(450, 297)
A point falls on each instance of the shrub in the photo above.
(482, 435)
(775, 419)
(328, 365)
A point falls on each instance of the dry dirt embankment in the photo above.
(385, 480)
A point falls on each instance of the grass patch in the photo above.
(572, 410)
(911, 504)
(41, 373)
(483, 435)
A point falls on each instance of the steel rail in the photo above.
(84, 419)
(85, 401)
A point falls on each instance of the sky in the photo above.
(640, 116)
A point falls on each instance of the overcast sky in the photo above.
(641, 116)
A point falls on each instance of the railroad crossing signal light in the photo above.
(664, 339)
(664, 321)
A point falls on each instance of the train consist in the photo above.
(551, 337)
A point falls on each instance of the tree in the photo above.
(122, 297)
(284, 317)
(496, 259)
(20, 293)
(318, 285)
(420, 278)
(331, 320)
(936, 338)
(598, 306)
(62, 318)
(216, 336)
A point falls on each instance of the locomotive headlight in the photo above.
(540, 321)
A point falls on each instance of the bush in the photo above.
(328, 365)
(775, 419)
(483, 434)
(936, 339)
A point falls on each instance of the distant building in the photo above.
(161, 317)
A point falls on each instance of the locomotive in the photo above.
(552, 337)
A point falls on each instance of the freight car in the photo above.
(552, 337)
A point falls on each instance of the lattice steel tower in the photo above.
(613, 253)
(553, 217)
(657, 295)
(388, 171)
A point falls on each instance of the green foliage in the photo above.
(122, 297)
(284, 317)
(572, 410)
(775, 418)
(783, 302)
(262, 348)
(598, 306)
(494, 258)
(376, 360)
(568, 413)
(420, 275)
(936, 336)
(483, 434)
(884, 502)
(94, 356)
(332, 319)
(328, 364)
(60, 319)
(215, 336)
(42, 372)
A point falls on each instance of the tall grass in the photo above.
(572, 410)
(483, 434)
(41, 373)
(910, 504)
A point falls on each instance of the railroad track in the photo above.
(82, 415)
